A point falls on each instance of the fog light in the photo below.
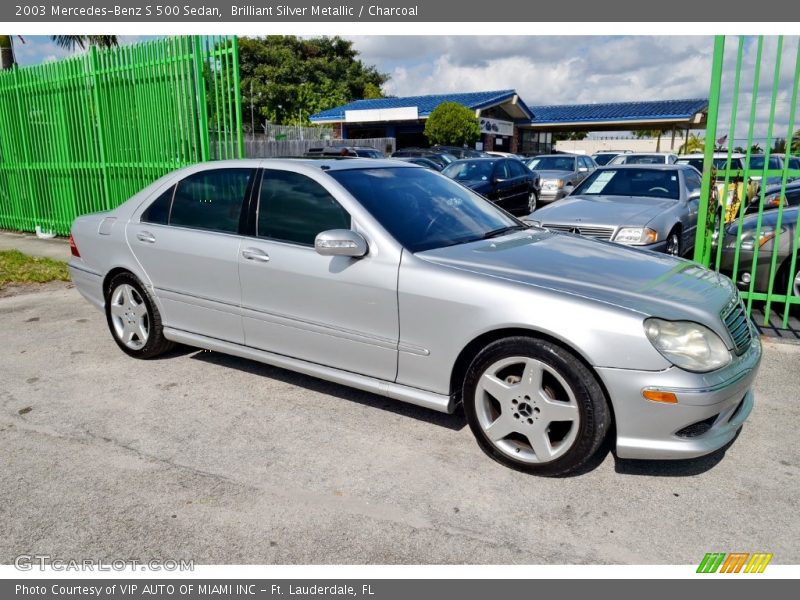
(659, 396)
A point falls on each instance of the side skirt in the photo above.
(437, 402)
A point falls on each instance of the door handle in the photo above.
(255, 254)
(146, 237)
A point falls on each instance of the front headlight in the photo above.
(636, 235)
(748, 242)
(687, 345)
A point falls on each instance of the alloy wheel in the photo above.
(673, 244)
(527, 410)
(129, 316)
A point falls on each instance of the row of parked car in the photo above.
(649, 200)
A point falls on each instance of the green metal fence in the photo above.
(84, 134)
(750, 235)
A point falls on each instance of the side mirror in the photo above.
(341, 242)
(582, 169)
(694, 195)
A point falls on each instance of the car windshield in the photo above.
(697, 163)
(602, 159)
(757, 162)
(650, 183)
(552, 163)
(423, 210)
(470, 170)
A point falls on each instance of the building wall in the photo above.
(634, 145)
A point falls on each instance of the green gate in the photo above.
(83, 134)
(745, 227)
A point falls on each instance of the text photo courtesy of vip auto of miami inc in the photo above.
(331, 299)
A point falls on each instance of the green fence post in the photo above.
(237, 92)
(702, 248)
(101, 143)
(202, 106)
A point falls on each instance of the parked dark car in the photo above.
(352, 151)
(784, 277)
(440, 158)
(460, 151)
(504, 181)
(773, 198)
(603, 157)
(421, 161)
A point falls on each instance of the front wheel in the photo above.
(534, 407)
(673, 247)
(133, 318)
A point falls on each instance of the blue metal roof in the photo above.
(618, 111)
(424, 104)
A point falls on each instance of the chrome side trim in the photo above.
(320, 328)
(426, 399)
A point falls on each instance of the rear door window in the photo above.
(211, 200)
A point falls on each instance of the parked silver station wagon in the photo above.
(392, 278)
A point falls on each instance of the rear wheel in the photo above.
(535, 407)
(532, 201)
(133, 318)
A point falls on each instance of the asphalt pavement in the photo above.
(201, 456)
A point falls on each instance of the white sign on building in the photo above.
(496, 126)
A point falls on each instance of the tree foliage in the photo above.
(796, 142)
(452, 124)
(292, 78)
(694, 144)
(68, 42)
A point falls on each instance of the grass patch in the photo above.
(16, 267)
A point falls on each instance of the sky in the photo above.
(563, 69)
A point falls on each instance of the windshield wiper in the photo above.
(502, 230)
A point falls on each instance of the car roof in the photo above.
(479, 159)
(659, 167)
(694, 155)
(559, 154)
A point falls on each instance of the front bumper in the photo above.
(721, 401)
(547, 195)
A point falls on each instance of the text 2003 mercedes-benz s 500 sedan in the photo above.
(391, 278)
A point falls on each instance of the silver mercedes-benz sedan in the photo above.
(394, 279)
(651, 207)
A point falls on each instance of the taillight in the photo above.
(73, 247)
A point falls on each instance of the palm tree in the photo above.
(650, 133)
(6, 52)
(73, 42)
(694, 144)
(756, 149)
(796, 142)
(68, 42)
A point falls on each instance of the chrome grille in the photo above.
(736, 321)
(598, 233)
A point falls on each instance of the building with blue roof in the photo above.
(507, 122)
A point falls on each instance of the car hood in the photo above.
(552, 174)
(603, 210)
(635, 280)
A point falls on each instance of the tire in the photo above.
(532, 202)
(785, 280)
(565, 416)
(673, 246)
(133, 319)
